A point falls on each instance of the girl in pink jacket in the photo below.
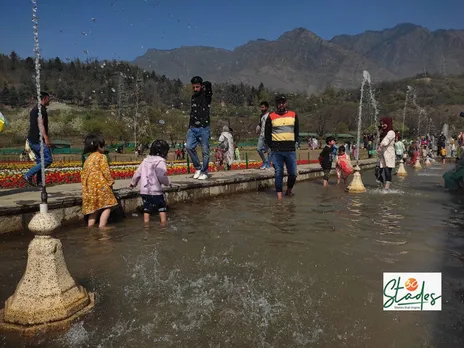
(152, 173)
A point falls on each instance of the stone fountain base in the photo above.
(417, 164)
(47, 297)
(55, 326)
(356, 185)
(401, 170)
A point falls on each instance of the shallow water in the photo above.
(247, 271)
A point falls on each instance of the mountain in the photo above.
(299, 60)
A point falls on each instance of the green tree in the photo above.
(13, 60)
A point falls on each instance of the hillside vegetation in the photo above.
(123, 101)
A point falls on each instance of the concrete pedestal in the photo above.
(46, 296)
(401, 170)
(356, 185)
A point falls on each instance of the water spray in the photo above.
(35, 21)
(356, 185)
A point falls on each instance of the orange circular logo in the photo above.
(411, 284)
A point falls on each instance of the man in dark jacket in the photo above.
(281, 134)
(37, 126)
(199, 128)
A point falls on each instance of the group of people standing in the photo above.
(278, 136)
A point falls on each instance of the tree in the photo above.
(13, 60)
(13, 99)
(5, 95)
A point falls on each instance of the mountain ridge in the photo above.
(300, 60)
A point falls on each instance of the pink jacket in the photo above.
(151, 173)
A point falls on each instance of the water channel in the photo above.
(247, 271)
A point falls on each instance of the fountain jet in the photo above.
(356, 185)
(47, 297)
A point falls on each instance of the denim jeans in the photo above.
(48, 160)
(261, 148)
(289, 159)
(194, 137)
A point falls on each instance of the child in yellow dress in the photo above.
(97, 183)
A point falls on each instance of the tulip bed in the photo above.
(70, 172)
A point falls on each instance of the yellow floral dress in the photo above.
(97, 192)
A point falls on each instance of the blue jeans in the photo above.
(261, 148)
(194, 136)
(289, 159)
(48, 160)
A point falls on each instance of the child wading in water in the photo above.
(326, 159)
(97, 183)
(344, 167)
(152, 173)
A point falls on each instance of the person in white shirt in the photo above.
(226, 144)
(262, 146)
(399, 149)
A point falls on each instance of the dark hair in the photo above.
(196, 79)
(44, 95)
(279, 98)
(159, 148)
(264, 103)
(329, 139)
(92, 142)
(341, 148)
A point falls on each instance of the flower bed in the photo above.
(70, 172)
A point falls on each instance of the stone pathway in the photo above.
(14, 200)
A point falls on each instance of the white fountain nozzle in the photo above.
(43, 208)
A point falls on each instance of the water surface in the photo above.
(247, 271)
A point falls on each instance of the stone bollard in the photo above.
(47, 297)
(401, 170)
(356, 185)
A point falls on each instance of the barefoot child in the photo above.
(97, 183)
(152, 173)
(326, 159)
(344, 167)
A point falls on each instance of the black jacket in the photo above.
(201, 105)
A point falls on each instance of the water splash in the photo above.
(366, 79)
(386, 192)
(408, 92)
(421, 111)
(35, 26)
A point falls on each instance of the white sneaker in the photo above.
(197, 174)
(203, 177)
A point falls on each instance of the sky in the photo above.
(125, 29)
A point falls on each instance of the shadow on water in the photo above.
(248, 271)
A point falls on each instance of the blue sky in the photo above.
(124, 29)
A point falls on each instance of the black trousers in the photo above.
(384, 174)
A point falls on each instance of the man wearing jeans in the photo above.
(34, 140)
(282, 133)
(199, 128)
(264, 106)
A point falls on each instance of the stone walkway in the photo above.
(24, 200)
